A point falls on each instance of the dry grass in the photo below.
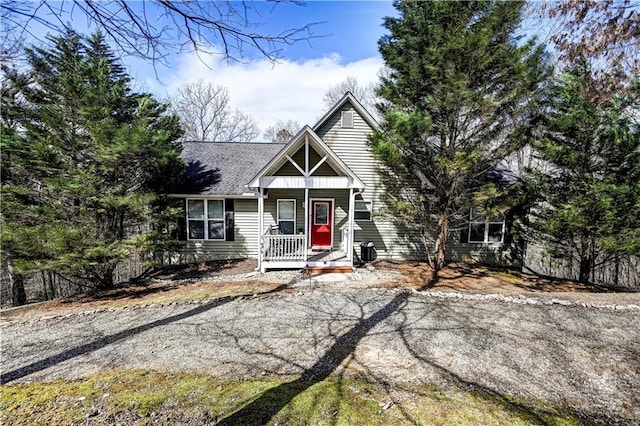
(206, 281)
(140, 397)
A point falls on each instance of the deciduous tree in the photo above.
(152, 30)
(206, 114)
(366, 95)
(605, 33)
(282, 131)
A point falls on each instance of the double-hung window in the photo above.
(205, 219)
(287, 216)
(484, 229)
(362, 210)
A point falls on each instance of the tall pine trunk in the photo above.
(440, 246)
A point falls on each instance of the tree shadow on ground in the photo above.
(262, 409)
(93, 346)
(342, 353)
(190, 271)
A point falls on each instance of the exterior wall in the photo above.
(245, 244)
(340, 215)
(490, 253)
(271, 207)
(289, 169)
(392, 241)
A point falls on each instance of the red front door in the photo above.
(321, 224)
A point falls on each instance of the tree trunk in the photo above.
(104, 276)
(587, 259)
(18, 294)
(440, 247)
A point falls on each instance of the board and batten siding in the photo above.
(245, 244)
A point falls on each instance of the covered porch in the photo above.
(306, 203)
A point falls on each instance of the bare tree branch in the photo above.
(206, 114)
(282, 131)
(135, 28)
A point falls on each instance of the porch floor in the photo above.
(326, 256)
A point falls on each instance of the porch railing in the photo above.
(283, 247)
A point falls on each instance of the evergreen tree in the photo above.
(89, 165)
(591, 195)
(458, 88)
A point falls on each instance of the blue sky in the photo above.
(350, 28)
(343, 43)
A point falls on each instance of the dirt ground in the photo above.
(218, 279)
(392, 325)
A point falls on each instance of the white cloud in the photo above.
(286, 90)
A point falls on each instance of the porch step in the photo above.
(329, 269)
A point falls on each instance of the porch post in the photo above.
(306, 224)
(352, 203)
(260, 228)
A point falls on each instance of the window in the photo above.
(483, 229)
(205, 219)
(347, 119)
(287, 216)
(321, 216)
(362, 210)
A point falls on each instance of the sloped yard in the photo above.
(471, 341)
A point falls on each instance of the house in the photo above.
(308, 203)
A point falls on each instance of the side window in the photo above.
(362, 210)
(287, 216)
(483, 229)
(195, 219)
(205, 220)
(215, 219)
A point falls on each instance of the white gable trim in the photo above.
(349, 98)
(308, 137)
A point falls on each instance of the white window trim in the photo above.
(486, 222)
(294, 212)
(315, 216)
(370, 210)
(206, 219)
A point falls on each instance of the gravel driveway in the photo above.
(584, 358)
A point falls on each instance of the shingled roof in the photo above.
(223, 168)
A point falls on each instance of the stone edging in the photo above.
(522, 300)
(493, 297)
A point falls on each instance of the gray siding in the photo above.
(289, 169)
(245, 235)
(392, 240)
(341, 208)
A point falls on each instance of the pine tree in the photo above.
(90, 166)
(591, 195)
(458, 88)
